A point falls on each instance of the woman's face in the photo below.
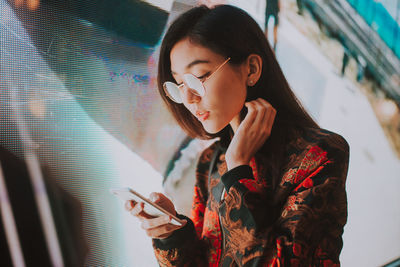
(225, 91)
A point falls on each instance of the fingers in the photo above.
(161, 232)
(155, 227)
(129, 205)
(251, 113)
(269, 116)
(270, 120)
(260, 116)
(159, 227)
(261, 109)
(137, 209)
(154, 196)
(251, 134)
(158, 221)
(163, 202)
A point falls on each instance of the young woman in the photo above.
(271, 191)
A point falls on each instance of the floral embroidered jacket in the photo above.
(299, 223)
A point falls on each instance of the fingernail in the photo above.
(154, 197)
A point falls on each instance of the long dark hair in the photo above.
(231, 32)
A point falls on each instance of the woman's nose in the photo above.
(189, 96)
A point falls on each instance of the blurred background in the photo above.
(80, 114)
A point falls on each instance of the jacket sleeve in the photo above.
(182, 248)
(185, 246)
(309, 225)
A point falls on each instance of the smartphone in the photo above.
(150, 207)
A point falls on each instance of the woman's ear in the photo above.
(254, 69)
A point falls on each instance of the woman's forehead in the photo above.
(185, 55)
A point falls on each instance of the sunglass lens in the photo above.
(194, 83)
(172, 91)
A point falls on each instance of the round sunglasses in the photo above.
(196, 86)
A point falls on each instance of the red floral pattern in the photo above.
(306, 233)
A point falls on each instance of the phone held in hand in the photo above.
(150, 207)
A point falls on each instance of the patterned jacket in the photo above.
(299, 223)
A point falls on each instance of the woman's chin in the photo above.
(212, 128)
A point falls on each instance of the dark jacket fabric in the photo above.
(238, 219)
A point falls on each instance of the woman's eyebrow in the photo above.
(195, 62)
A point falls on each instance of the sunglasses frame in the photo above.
(193, 90)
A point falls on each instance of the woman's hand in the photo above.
(251, 134)
(155, 227)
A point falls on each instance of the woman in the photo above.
(271, 191)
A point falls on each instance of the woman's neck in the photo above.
(235, 123)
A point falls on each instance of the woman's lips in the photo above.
(202, 115)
